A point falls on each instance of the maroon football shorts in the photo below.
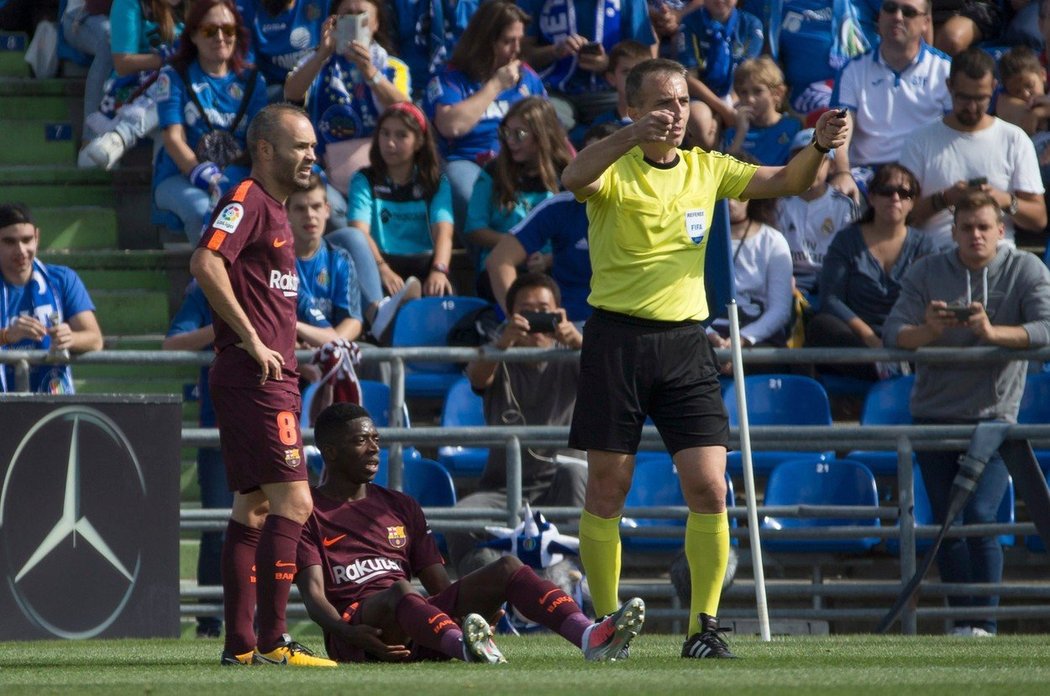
(259, 435)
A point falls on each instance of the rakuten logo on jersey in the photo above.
(288, 283)
(364, 570)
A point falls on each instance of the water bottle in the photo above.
(58, 355)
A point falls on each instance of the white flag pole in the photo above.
(749, 474)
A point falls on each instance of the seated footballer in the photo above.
(362, 545)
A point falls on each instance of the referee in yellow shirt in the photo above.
(649, 207)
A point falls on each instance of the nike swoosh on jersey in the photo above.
(328, 542)
(278, 243)
(284, 564)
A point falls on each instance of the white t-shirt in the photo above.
(809, 227)
(762, 274)
(887, 105)
(939, 156)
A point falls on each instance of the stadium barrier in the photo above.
(903, 439)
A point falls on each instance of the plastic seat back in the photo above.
(462, 408)
(814, 482)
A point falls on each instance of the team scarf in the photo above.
(718, 59)
(558, 20)
(43, 379)
(341, 102)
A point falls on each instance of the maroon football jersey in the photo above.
(250, 230)
(364, 546)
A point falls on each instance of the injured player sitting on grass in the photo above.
(364, 543)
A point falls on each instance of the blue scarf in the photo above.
(718, 59)
(341, 103)
(558, 19)
(47, 309)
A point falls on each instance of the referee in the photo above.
(649, 208)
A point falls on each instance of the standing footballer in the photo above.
(649, 209)
(245, 265)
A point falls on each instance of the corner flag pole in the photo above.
(749, 473)
(721, 291)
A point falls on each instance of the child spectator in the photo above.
(533, 151)
(1023, 101)
(715, 39)
(467, 100)
(810, 220)
(622, 58)
(326, 273)
(345, 88)
(761, 131)
(400, 215)
(143, 38)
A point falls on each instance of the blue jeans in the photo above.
(970, 559)
(356, 244)
(90, 34)
(461, 177)
(189, 203)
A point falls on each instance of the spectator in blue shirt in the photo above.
(569, 42)
(427, 31)
(211, 58)
(282, 33)
(470, 96)
(761, 131)
(142, 39)
(42, 307)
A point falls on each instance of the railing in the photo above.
(804, 438)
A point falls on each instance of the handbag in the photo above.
(219, 145)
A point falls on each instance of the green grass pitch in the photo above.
(851, 665)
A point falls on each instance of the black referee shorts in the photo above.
(631, 368)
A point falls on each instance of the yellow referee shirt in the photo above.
(648, 232)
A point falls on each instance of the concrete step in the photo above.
(77, 227)
(131, 311)
(56, 186)
(37, 141)
(12, 54)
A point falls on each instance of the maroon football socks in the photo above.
(545, 603)
(275, 566)
(429, 626)
(238, 586)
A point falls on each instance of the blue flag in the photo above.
(718, 265)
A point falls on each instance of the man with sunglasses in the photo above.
(889, 91)
(968, 150)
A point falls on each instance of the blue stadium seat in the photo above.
(887, 403)
(462, 408)
(813, 482)
(777, 400)
(656, 484)
(426, 322)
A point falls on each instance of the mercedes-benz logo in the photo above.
(70, 522)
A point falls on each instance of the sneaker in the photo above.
(386, 309)
(978, 632)
(609, 638)
(103, 152)
(478, 645)
(292, 654)
(233, 660)
(708, 642)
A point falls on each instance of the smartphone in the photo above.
(841, 113)
(542, 322)
(961, 312)
(590, 49)
(977, 181)
(352, 27)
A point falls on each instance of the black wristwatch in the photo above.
(818, 147)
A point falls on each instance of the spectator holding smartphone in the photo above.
(533, 393)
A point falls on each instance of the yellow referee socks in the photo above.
(707, 552)
(600, 554)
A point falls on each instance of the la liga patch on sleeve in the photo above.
(229, 218)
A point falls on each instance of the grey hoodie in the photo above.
(1018, 294)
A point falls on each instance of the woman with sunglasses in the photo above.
(862, 272)
(400, 216)
(346, 87)
(211, 58)
(469, 97)
(533, 150)
(143, 35)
